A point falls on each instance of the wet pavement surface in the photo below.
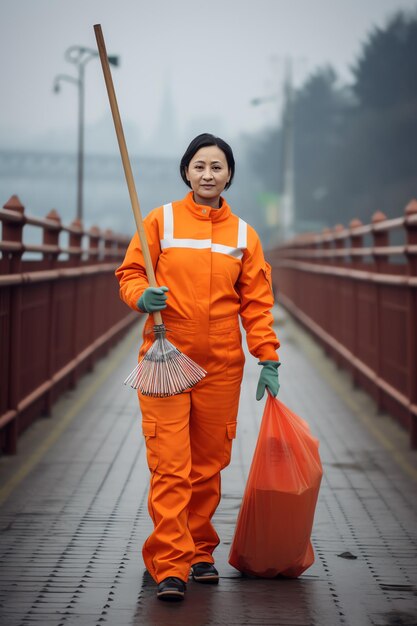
(74, 512)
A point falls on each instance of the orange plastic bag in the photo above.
(273, 529)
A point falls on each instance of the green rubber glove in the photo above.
(268, 378)
(153, 299)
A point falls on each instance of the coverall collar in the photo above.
(205, 212)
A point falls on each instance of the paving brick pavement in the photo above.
(74, 514)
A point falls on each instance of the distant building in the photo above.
(165, 141)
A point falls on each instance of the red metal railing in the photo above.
(57, 315)
(360, 302)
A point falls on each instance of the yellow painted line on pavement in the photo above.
(62, 425)
(369, 423)
(366, 420)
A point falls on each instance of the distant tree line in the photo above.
(355, 147)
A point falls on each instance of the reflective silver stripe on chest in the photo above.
(169, 240)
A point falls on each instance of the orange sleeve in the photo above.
(256, 301)
(132, 274)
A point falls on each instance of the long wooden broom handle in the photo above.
(126, 162)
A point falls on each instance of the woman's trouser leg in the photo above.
(214, 407)
(169, 549)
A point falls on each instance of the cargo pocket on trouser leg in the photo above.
(228, 440)
(152, 455)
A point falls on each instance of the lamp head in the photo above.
(113, 60)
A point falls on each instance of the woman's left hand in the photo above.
(268, 378)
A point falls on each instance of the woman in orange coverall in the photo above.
(211, 269)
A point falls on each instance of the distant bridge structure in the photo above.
(33, 163)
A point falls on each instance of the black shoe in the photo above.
(171, 589)
(205, 573)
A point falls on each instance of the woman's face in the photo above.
(208, 174)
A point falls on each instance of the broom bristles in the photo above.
(164, 371)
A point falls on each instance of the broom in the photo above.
(164, 370)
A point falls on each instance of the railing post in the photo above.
(323, 280)
(356, 243)
(51, 238)
(93, 240)
(121, 248)
(380, 239)
(312, 243)
(13, 231)
(108, 245)
(75, 241)
(94, 236)
(411, 228)
(339, 244)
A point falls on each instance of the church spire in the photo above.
(166, 136)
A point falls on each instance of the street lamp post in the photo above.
(288, 211)
(80, 56)
(288, 128)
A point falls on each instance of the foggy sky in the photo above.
(208, 58)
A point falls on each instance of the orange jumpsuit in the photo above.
(213, 264)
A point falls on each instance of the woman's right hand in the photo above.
(153, 299)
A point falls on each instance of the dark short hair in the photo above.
(201, 141)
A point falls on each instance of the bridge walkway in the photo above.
(74, 513)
